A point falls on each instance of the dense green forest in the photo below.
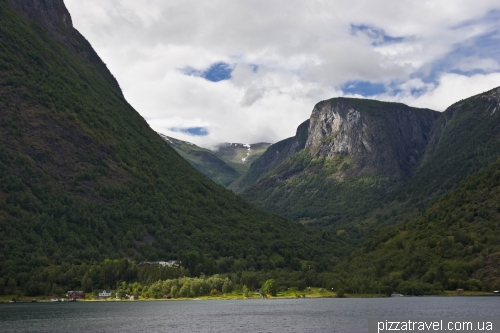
(84, 178)
(453, 244)
(150, 280)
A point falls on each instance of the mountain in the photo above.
(342, 162)
(452, 244)
(240, 153)
(225, 164)
(272, 157)
(465, 139)
(206, 161)
(84, 178)
(359, 164)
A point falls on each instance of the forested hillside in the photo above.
(84, 178)
(453, 244)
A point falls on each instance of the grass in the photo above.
(291, 293)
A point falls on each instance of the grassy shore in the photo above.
(290, 294)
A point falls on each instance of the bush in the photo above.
(269, 287)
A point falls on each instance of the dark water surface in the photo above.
(270, 316)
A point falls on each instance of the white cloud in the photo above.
(449, 89)
(305, 51)
(476, 63)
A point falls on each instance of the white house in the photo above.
(104, 293)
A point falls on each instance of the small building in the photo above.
(170, 263)
(71, 295)
(104, 293)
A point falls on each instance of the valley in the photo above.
(369, 197)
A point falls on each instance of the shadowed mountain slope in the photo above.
(83, 176)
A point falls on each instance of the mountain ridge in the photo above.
(388, 157)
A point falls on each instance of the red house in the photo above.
(75, 295)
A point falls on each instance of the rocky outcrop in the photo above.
(382, 138)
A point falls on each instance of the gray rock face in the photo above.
(383, 138)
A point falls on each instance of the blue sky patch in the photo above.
(194, 131)
(218, 71)
(363, 88)
(378, 35)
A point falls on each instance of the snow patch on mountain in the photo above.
(248, 152)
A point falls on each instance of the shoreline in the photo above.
(236, 298)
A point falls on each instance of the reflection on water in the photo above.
(270, 316)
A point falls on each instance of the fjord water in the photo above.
(270, 316)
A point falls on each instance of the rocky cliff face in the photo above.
(53, 17)
(383, 138)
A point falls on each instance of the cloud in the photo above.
(249, 71)
(450, 88)
(192, 131)
(474, 63)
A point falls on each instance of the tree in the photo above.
(174, 291)
(226, 287)
(87, 282)
(269, 287)
(246, 291)
(11, 287)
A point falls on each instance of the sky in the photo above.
(251, 71)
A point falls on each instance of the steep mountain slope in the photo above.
(83, 177)
(205, 161)
(342, 162)
(453, 244)
(464, 139)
